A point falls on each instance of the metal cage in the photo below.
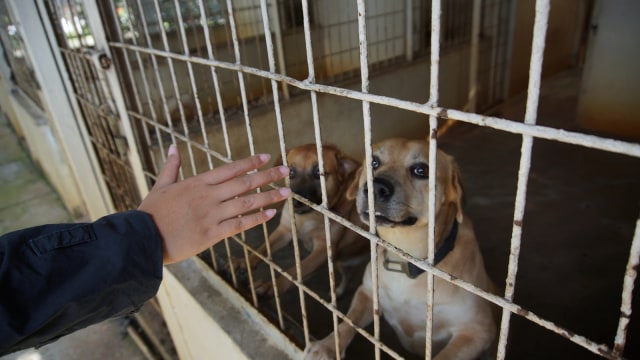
(198, 73)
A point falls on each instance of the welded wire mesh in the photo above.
(197, 69)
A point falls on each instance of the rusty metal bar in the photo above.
(192, 81)
(436, 12)
(516, 127)
(533, 96)
(145, 85)
(174, 83)
(216, 81)
(158, 79)
(276, 102)
(247, 121)
(223, 120)
(627, 293)
(296, 243)
(366, 115)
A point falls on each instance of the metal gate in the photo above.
(196, 69)
(87, 67)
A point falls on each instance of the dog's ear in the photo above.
(352, 190)
(346, 163)
(454, 189)
(279, 160)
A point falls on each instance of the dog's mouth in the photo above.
(382, 220)
(301, 208)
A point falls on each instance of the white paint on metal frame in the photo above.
(529, 130)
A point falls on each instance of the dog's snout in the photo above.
(382, 189)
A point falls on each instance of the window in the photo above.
(130, 17)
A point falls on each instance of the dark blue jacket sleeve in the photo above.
(55, 279)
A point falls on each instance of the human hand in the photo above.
(198, 212)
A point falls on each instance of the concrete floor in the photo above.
(582, 207)
(27, 199)
(581, 210)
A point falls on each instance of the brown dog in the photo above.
(463, 324)
(347, 246)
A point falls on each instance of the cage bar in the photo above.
(533, 95)
(447, 30)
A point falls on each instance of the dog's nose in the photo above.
(382, 189)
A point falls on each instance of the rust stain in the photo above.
(443, 114)
(517, 223)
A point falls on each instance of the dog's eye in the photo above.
(316, 172)
(420, 171)
(375, 162)
(292, 172)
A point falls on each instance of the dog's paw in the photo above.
(263, 288)
(239, 265)
(319, 350)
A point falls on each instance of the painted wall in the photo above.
(562, 45)
(609, 96)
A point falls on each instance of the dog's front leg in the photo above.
(465, 344)
(278, 239)
(309, 264)
(360, 312)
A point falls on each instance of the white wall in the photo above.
(609, 94)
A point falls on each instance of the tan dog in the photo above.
(347, 246)
(463, 324)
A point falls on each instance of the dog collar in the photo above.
(412, 271)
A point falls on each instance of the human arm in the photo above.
(55, 279)
(196, 213)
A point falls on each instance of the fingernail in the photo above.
(264, 157)
(270, 212)
(173, 150)
(284, 170)
(285, 192)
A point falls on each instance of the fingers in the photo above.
(236, 168)
(241, 205)
(242, 184)
(238, 224)
(169, 173)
